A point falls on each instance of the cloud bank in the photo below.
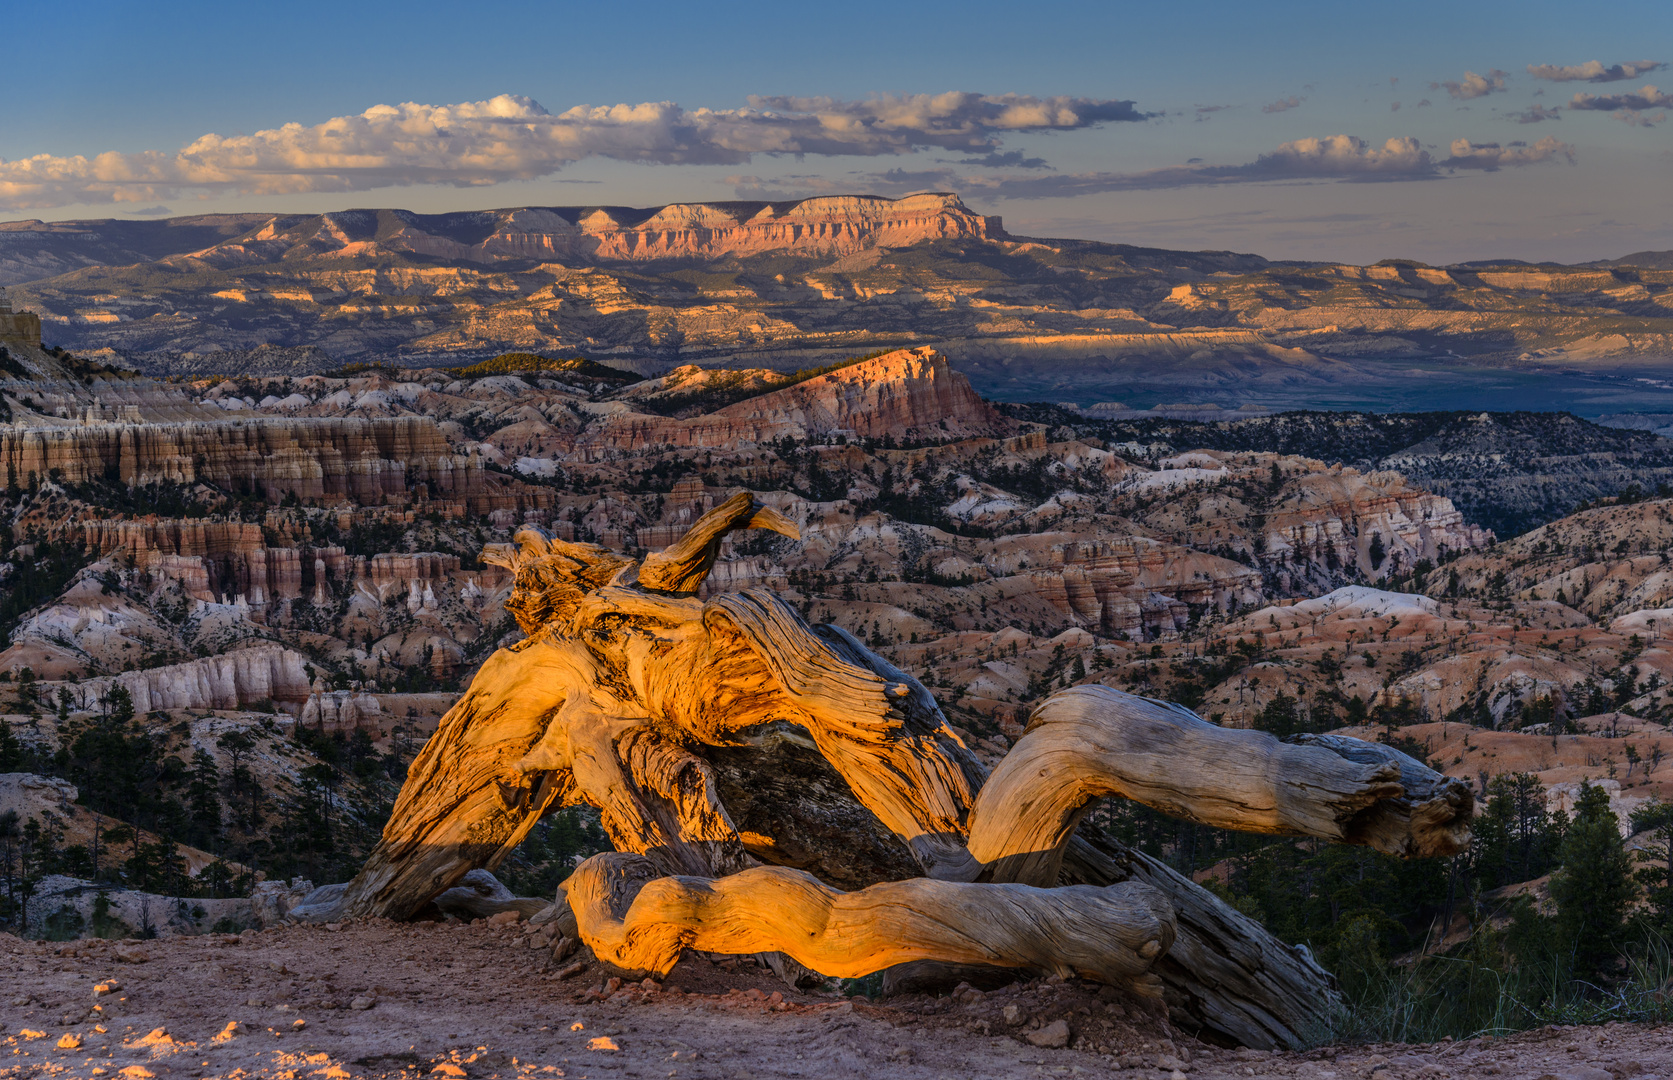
(1633, 101)
(1346, 158)
(1593, 71)
(480, 143)
(1491, 156)
(1630, 108)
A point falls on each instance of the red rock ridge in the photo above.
(828, 225)
(909, 394)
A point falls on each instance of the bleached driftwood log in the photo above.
(1088, 742)
(717, 736)
(640, 920)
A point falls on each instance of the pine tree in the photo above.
(203, 795)
(1515, 839)
(12, 756)
(119, 705)
(1280, 716)
(1656, 818)
(1595, 888)
(245, 787)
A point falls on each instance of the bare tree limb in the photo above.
(641, 922)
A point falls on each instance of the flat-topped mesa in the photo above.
(828, 225)
(909, 394)
(373, 462)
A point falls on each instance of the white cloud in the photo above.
(1593, 71)
(480, 143)
(1282, 104)
(1473, 85)
(1647, 97)
(1340, 156)
(1492, 156)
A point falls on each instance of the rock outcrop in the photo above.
(373, 462)
(907, 394)
(1131, 584)
(1308, 524)
(269, 674)
(65, 904)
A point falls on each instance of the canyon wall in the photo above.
(230, 681)
(220, 561)
(372, 462)
(1131, 584)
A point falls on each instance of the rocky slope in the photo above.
(136, 433)
(786, 285)
(997, 556)
(1507, 471)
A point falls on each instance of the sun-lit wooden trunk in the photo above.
(772, 786)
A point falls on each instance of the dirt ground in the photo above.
(451, 1001)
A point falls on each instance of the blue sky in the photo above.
(1255, 127)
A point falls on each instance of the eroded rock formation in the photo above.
(268, 673)
(907, 394)
(372, 462)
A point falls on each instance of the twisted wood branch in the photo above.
(640, 921)
(1089, 742)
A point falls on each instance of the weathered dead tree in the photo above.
(638, 919)
(1168, 758)
(774, 786)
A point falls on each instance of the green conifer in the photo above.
(1594, 889)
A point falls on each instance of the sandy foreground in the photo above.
(380, 999)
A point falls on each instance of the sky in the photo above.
(1444, 132)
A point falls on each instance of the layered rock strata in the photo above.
(263, 673)
(372, 462)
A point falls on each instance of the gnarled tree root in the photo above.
(635, 918)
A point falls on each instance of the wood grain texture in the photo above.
(682, 566)
(1088, 742)
(717, 736)
(876, 725)
(641, 922)
(1226, 977)
(1429, 818)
